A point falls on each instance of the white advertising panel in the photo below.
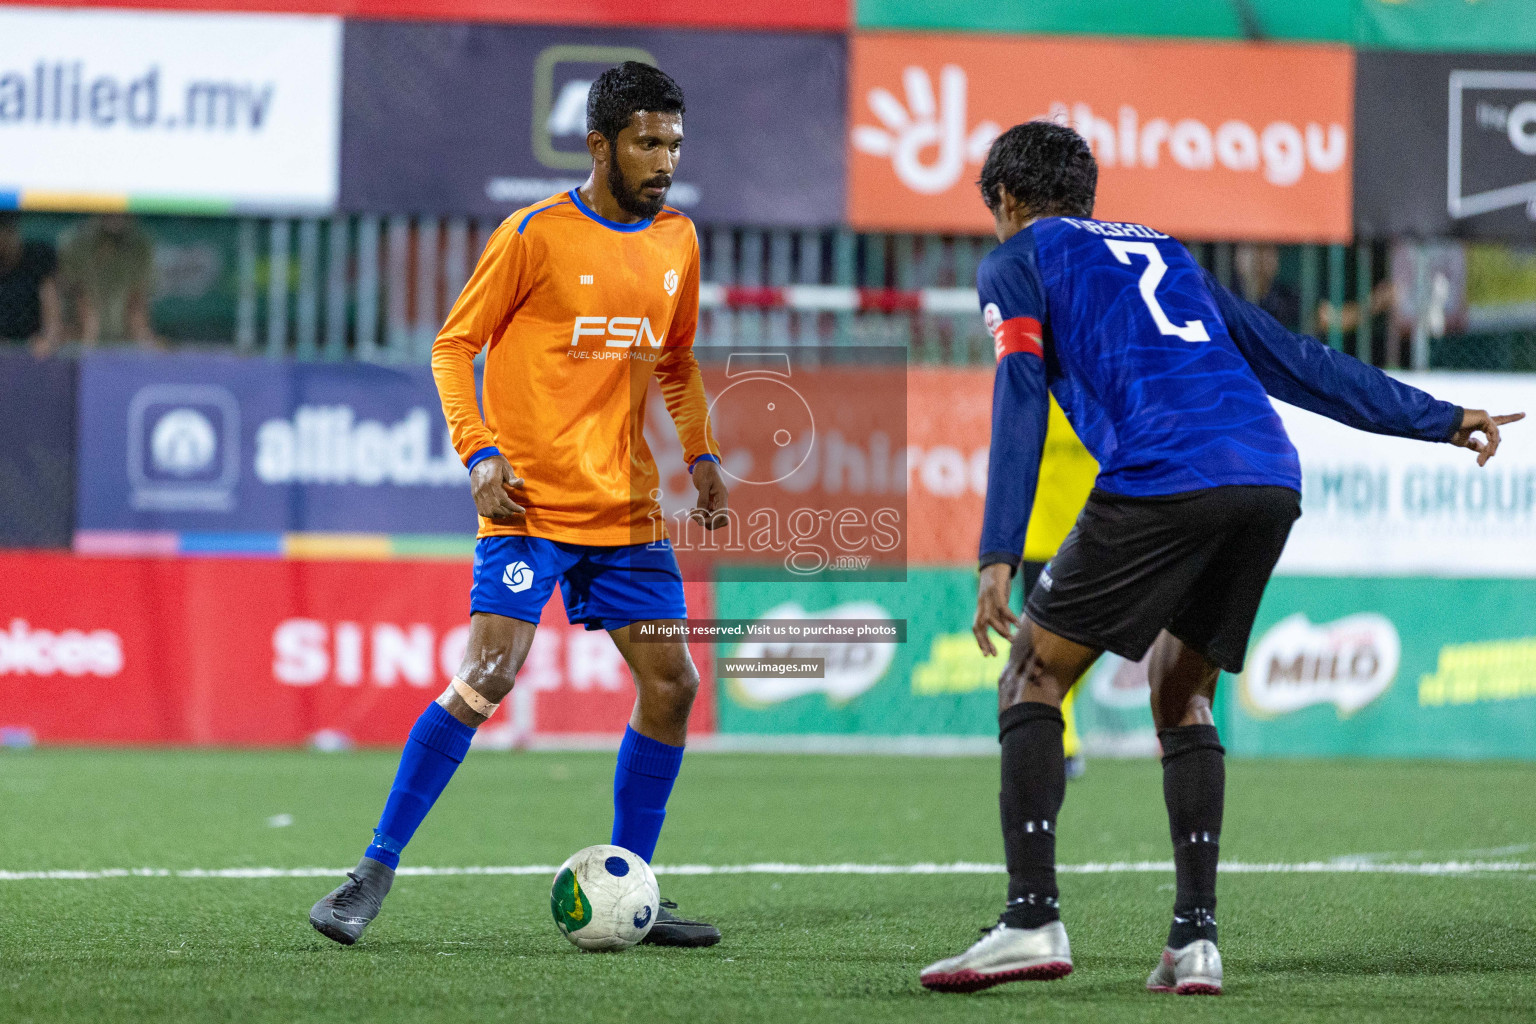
(1385, 506)
(159, 109)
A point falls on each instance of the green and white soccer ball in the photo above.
(604, 899)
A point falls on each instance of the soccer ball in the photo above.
(604, 899)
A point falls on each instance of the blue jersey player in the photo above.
(1167, 378)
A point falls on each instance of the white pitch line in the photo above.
(1342, 866)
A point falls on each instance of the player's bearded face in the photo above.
(644, 158)
(639, 198)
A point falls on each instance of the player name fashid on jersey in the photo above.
(1114, 229)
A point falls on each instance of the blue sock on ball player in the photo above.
(642, 782)
(436, 747)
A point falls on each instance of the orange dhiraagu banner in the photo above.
(1207, 140)
(949, 430)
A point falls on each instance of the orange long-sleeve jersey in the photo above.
(579, 313)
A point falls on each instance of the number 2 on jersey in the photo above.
(1190, 330)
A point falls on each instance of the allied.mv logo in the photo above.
(183, 448)
(518, 577)
(669, 282)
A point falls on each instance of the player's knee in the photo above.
(672, 687)
(490, 677)
(1031, 677)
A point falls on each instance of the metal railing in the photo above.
(377, 289)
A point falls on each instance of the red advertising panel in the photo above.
(949, 431)
(253, 652)
(1212, 140)
(791, 14)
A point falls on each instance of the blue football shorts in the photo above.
(603, 587)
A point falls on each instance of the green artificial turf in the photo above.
(798, 948)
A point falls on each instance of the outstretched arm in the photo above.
(1306, 373)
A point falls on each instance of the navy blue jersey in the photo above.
(1164, 374)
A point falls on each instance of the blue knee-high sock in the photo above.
(641, 784)
(438, 742)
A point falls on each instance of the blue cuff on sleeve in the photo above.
(481, 456)
(706, 457)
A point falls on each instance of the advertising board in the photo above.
(486, 119)
(37, 421)
(1385, 506)
(267, 652)
(1399, 667)
(222, 444)
(168, 111)
(1447, 145)
(935, 684)
(827, 15)
(1207, 140)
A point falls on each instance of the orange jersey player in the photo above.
(579, 301)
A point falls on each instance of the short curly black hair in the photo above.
(1046, 166)
(622, 90)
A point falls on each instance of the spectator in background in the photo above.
(1258, 274)
(29, 293)
(107, 268)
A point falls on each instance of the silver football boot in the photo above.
(1194, 970)
(1004, 954)
(349, 908)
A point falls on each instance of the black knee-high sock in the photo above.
(1034, 783)
(1194, 788)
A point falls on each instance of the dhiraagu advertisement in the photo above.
(1390, 667)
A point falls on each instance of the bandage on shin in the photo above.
(470, 696)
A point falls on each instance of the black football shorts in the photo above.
(1194, 564)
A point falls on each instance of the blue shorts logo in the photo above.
(518, 577)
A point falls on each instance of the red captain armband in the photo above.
(1020, 334)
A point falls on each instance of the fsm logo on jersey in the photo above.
(183, 447)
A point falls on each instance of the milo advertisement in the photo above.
(936, 685)
(1391, 667)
